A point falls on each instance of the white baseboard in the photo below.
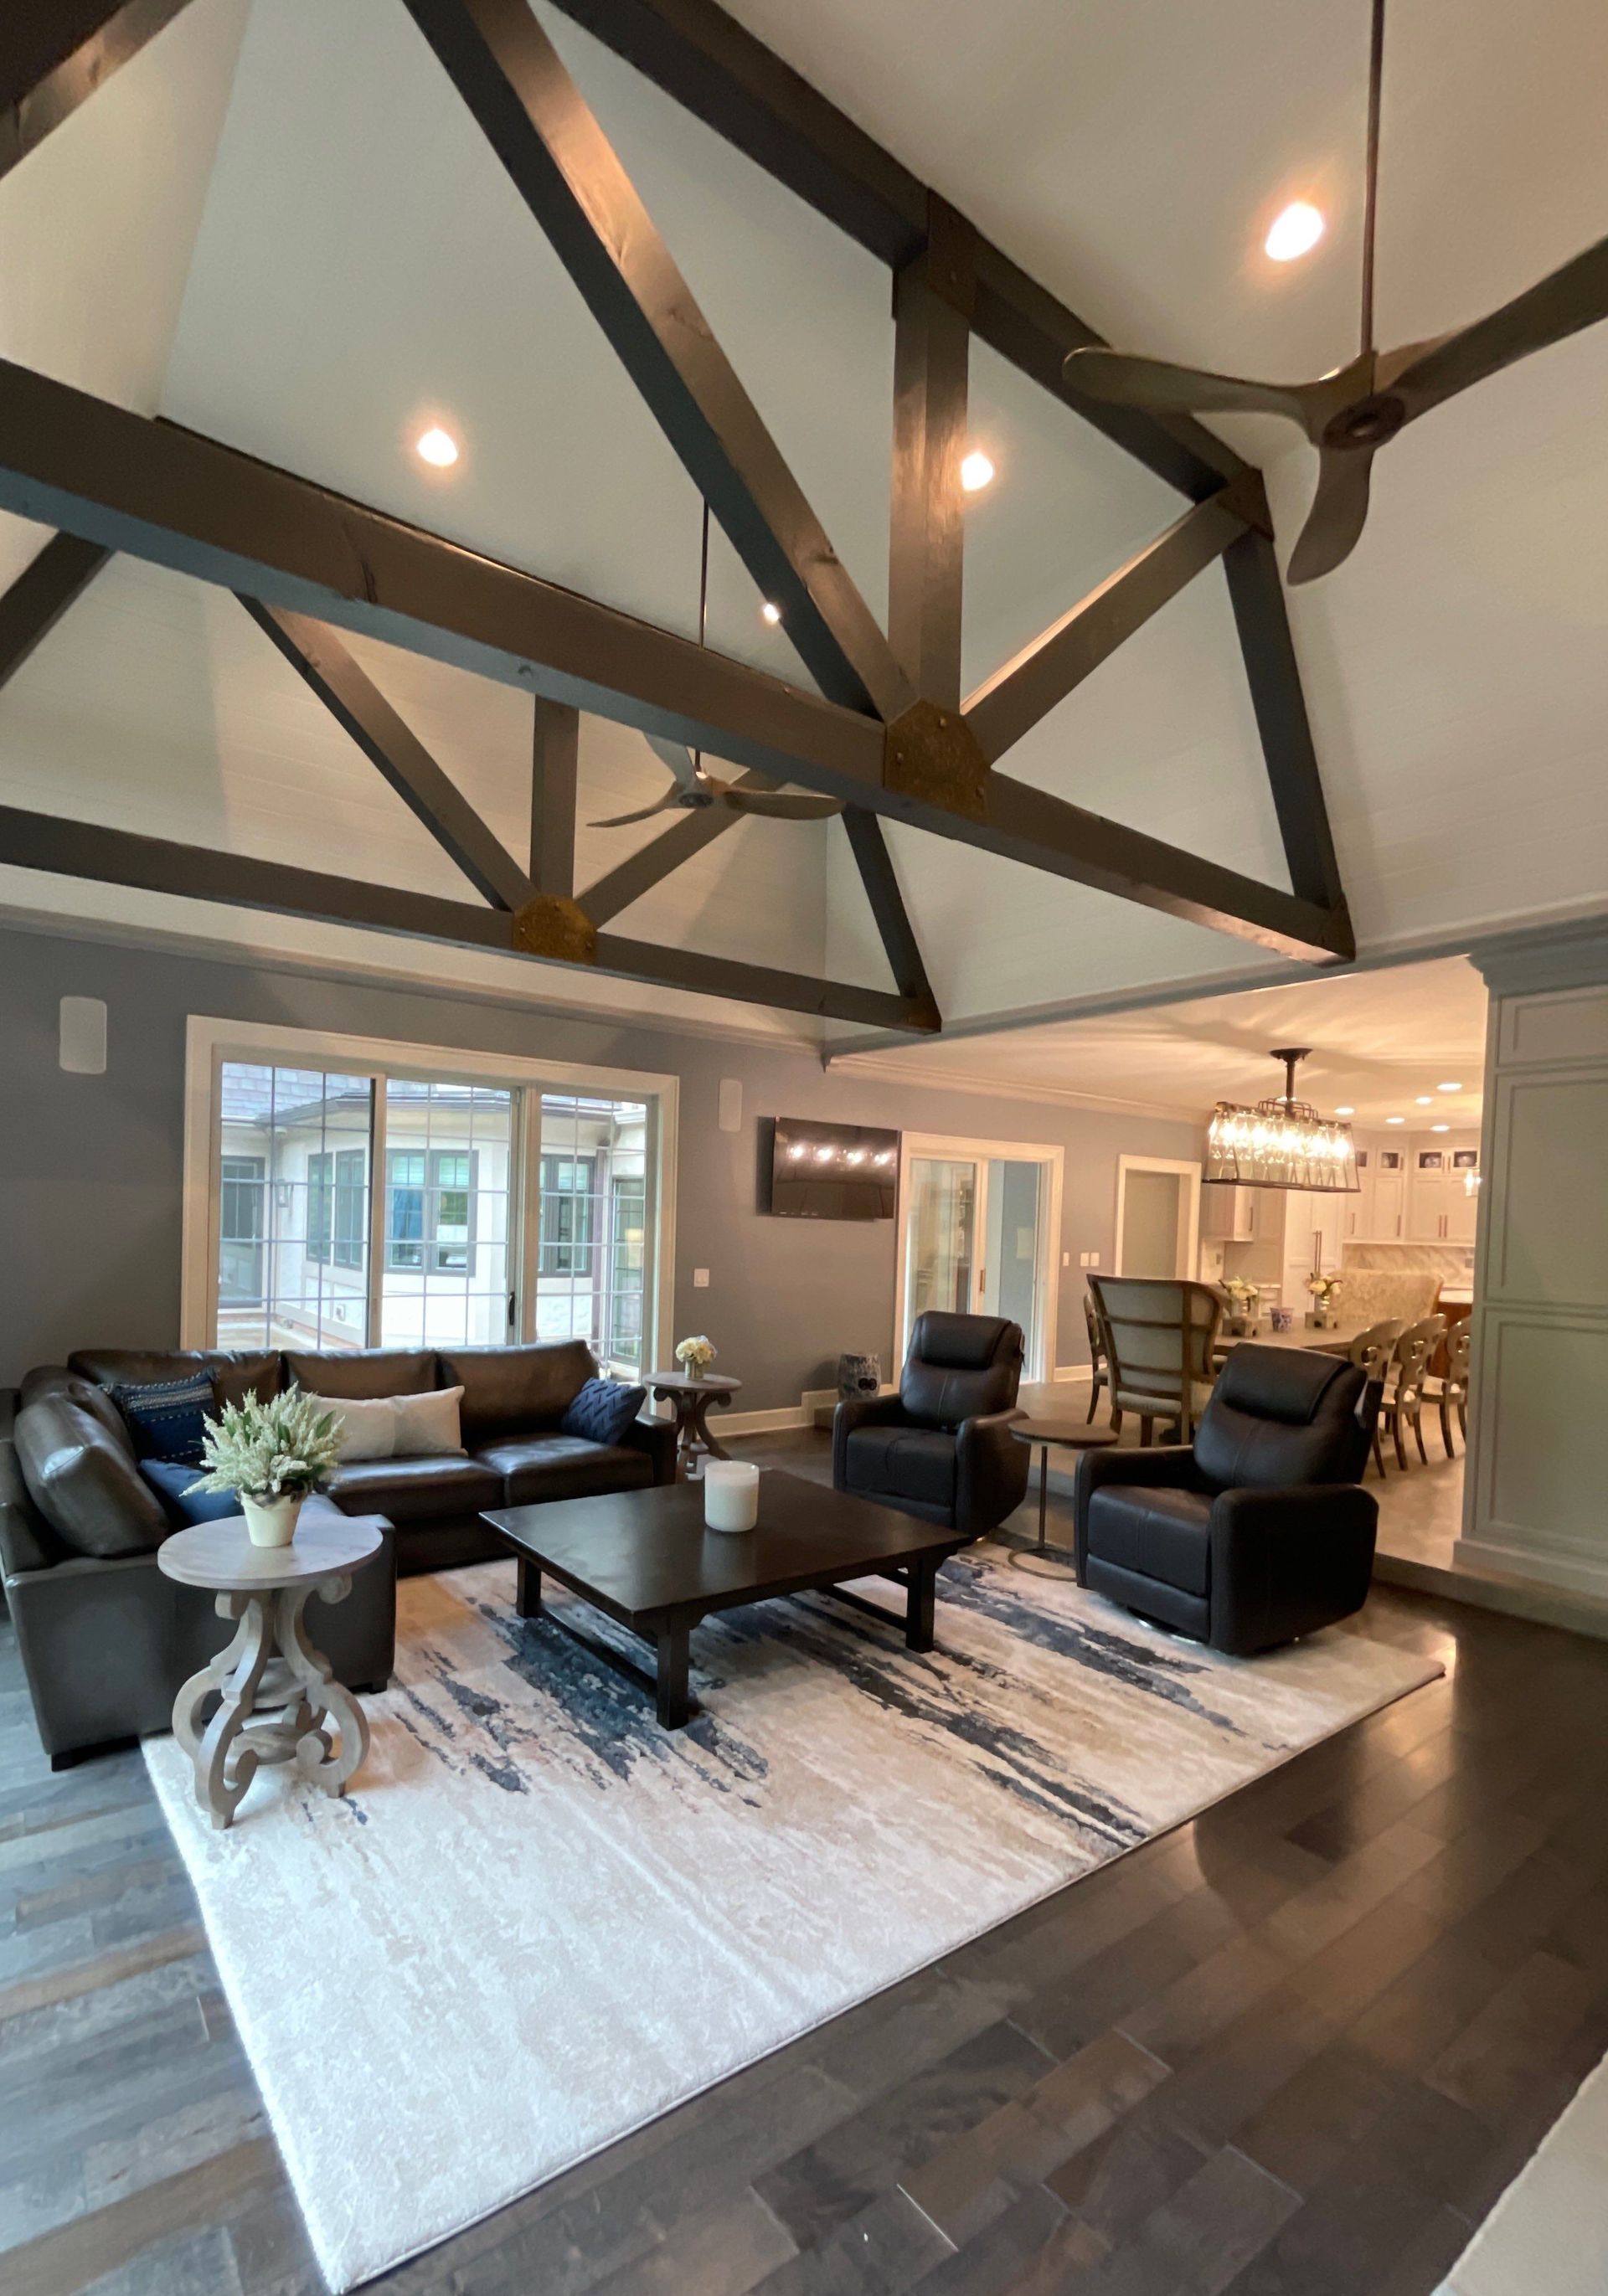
(1069, 1375)
(805, 1413)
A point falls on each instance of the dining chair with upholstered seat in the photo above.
(1160, 1334)
(1371, 1351)
(1449, 1392)
(1403, 1406)
(1099, 1369)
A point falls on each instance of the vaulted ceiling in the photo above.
(279, 225)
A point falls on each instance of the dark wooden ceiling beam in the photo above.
(361, 711)
(54, 53)
(697, 54)
(1015, 700)
(654, 861)
(563, 167)
(931, 345)
(555, 774)
(41, 594)
(889, 914)
(119, 856)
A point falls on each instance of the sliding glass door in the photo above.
(977, 1236)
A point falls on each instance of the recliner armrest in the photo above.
(990, 1471)
(657, 1437)
(1165, 1463)
(858, 1411)
(1285, 1561)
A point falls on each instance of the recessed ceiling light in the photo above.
(1295, 231)
(1449, 1087)
(437, 447)
(1423, 1100)
(771, 613)
(976, 470)
(1345, 1111)
(1395, 1120)
(1440, 1128)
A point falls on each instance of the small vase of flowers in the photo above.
(695, 1355)
(272, 1456)
(1244, 1299)
(1326, 1299)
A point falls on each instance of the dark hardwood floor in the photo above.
(1294, 2048)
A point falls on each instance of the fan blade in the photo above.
(782, 808)
(679, 757)
(1339, 510)
(1572, 297)
(1129, 380)
(672, 796)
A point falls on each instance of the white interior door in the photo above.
(1158, 1216)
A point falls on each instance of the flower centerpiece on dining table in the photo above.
(1245, 1304)
(695, 1355)
(272, 1456)
(1325, 1291)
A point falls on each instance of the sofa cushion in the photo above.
(366, 1427)
(913, 1463)
(236, 1371)
(1155, 1532)
(429, 1426)
(171, 1481)
(603, 1410)
(512, 1390)
(415, 1490)
(535, 1467)
(84, 1480)
(365, 1372)
(168, 1419)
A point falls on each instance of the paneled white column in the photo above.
(1536, 1495)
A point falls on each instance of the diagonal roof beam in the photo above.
(731, 80)
(119, 857)
(41, 594)
(1014, 700)
(890, 916)
(361, 711)
(56, 52)
(653, 862)
(561, 163)
(72, 461)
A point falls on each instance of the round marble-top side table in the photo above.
(1071, 1436)
(279, 1696)
(691, 1398)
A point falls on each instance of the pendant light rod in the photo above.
(1292, 1060)
(1370, 184)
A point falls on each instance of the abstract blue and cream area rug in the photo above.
(537, 1920)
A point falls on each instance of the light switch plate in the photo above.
(1093, 1260)
(1066, 1259)
(701, 1279)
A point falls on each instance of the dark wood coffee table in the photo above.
(646, 1560)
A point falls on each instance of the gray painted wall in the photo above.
(92, 1167)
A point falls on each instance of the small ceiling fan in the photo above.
(1349, 414)
(692, 788)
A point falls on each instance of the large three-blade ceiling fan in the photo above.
(1349, 414)
(692, 787)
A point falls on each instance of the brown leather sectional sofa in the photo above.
(106, 1640)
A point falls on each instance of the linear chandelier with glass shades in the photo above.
(1281, 1143)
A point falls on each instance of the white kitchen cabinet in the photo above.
(1229, 1214)
(1387, 1208)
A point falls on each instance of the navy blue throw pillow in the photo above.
(164, 1420)
(604, 1410)
(170, 1480)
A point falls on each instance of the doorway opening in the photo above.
(1158, 1216)
(979, 1232)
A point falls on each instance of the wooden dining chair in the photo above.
(1403, 1404)
(1099, 1365)
(1371, 1351)
(1160, 1335)
(1449, 1392)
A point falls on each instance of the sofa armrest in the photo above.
(657, 1437)
(990, 1471)
(858, 1411)
(1164, 1464)
(84, 1480)
(1285, 1563)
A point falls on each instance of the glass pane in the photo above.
(593, 1253)
(447, 1163)
(292, 1210)
(941, 1247)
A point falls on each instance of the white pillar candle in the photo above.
(731, 1494)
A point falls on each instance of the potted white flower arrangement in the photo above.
(271, 1455)
(695, 1355)
(1325, 1296)
(1245, 1302)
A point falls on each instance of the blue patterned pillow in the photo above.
(604, 1410)
(164, 1420)
(170, 1480)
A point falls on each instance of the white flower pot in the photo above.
(270, 1522)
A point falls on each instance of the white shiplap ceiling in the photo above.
(352, 263)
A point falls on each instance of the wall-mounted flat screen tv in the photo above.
(832, 1171)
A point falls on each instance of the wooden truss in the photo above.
(889, 732)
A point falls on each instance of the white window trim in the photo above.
(1189, 1216)
(208, 1042)
(1041, 1365)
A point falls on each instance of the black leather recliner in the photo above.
(1260, 1531)
(941, 1447)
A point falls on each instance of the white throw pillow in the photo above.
(428, 1425)
(365, 1429)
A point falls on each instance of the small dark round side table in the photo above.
(1048, 1433)
(689, 1398)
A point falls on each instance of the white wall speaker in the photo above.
(83, 1041)
(731, 1103)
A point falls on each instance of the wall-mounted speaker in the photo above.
(83, 1039)
(731, 1103)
